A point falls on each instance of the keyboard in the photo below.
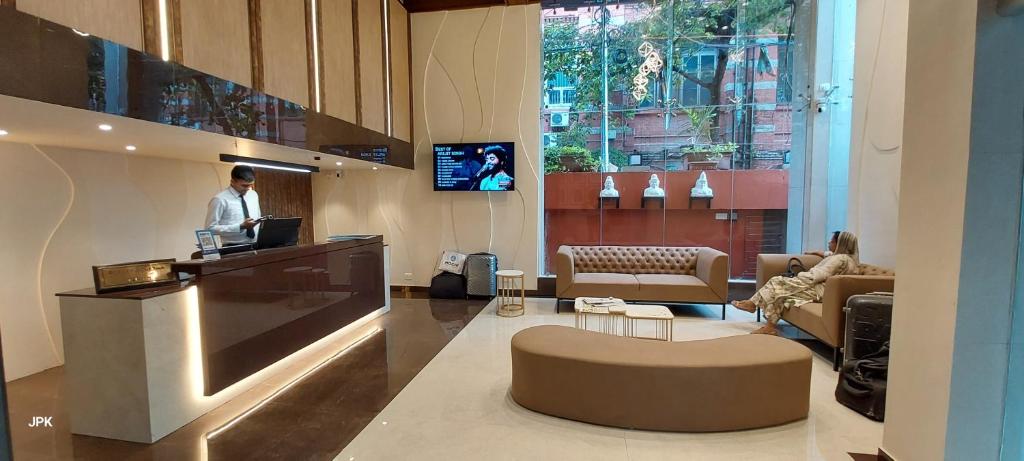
(232, 249)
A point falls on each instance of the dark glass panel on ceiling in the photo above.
(47, 62)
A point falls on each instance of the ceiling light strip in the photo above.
(316, 55)
(165, 40)
(272, 167)
(387, 64)
(271, 164)
(220, 430)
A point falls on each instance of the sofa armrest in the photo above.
(771, 265)
(565, 269)
(838, 290)
(713, 269)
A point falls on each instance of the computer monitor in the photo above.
(278, 232)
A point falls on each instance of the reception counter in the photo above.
(141, 364)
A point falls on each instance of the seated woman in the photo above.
(780, 293)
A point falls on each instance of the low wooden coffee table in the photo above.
(661, 316)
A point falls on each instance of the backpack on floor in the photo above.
(447, 285)
(863, 382)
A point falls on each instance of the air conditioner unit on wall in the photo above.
(560, 119)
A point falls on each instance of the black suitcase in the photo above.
(447, 285)
(863, 377)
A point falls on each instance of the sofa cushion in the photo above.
(608, 259)
(635, 260)
(808, 317)
(670, 260)
(603, 284)
(868, 269)
(672, 287)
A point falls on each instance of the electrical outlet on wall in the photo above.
(408, 276)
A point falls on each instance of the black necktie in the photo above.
(250, 232)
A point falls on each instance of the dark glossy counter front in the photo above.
(256, 308)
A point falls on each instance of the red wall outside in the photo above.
(757, 197)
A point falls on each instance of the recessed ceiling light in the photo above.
(337, 163)
(130, 147)
(374, 168)
(3, 133)
(105, 127)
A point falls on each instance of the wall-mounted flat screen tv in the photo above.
(485, 166)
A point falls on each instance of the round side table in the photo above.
(509, 303)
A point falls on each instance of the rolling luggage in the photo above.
(447, 285)
(480, 274)
(863, 377)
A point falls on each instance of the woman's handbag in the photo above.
(794, 267)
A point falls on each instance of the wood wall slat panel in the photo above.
(284, 50)
(115, 20)
(339, 55)
(256, 44)
(215, 38)
(285, 194)
(371, 65)
(401, 95)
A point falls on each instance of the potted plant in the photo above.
(710, 157)
(577, 159)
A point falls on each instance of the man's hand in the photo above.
(249, 223)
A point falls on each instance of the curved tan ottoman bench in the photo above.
(724, 384)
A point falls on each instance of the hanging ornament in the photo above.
(652, 64)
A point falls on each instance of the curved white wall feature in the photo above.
(476, 86)
(69, 209)
(877, 133)
(36, 195)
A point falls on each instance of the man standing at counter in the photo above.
(232, 213)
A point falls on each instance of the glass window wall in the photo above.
(670, 122)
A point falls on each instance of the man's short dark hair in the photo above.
(498, 151)
(243, 173)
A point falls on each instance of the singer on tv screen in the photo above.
(474, 167)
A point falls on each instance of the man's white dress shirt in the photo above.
(224, 215)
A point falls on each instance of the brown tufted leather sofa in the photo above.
(635, 273)
(826, 320)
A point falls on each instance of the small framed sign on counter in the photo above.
(134, 275)
(208, 245)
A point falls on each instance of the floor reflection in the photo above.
(306, 415)
(313, 419)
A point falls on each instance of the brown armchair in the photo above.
(826, 320)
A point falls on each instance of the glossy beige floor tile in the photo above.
(458, 408)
